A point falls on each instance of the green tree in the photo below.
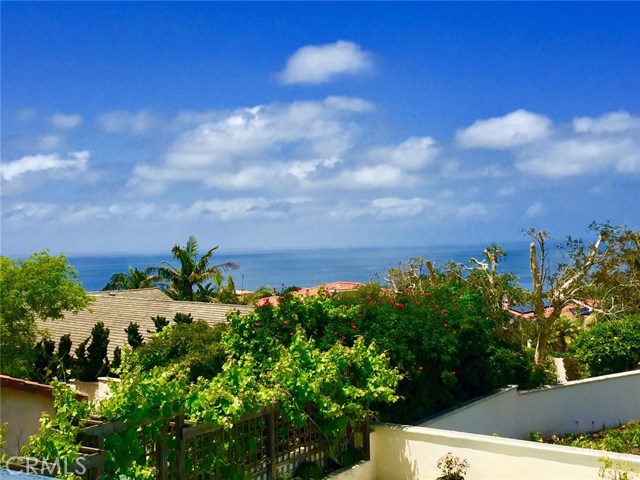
(567, 282)
(42, 286)
(91, 355)
(45, 363)
(182, 318)
(65, 360)
(616, 282)
(132, 279)
(194, 270)
(160, 322)
(134, 337)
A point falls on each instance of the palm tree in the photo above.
(134, 278)
(194, 271)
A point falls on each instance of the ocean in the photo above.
(305, 268)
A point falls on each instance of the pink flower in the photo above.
(421, 368)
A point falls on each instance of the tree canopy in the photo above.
(194, 272)
(42, 286)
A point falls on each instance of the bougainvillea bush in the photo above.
(441, 339)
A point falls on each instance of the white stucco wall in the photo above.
(582, 405)
(407, 453)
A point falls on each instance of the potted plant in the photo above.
(452, 467)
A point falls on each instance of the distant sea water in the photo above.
(305, 268)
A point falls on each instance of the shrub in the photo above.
(91, 355)
(195, 347)
(610, 346)
(441, 339)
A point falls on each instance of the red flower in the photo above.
(353, 326)
(286, 322)
(445, 325)
(401, 306)
(257, 324)
(421, 368)
(343, 337)
(444, 310)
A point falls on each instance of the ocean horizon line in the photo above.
(257, 250)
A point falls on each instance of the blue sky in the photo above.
(126, 127)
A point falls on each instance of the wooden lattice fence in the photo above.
(261, 446)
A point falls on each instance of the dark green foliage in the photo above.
(183, 318)
(610, 346)
(45, 360)
(42, 286)
(134, 337)
(65, 361)
(623, 439)
(91, 357)
(117, 360)
(441, 339)
(132, 279)
(308, 471)
(159, 322)
(194, 346)
(194, 272)
(573, 369)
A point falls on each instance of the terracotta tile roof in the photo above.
(118, 308)
(334, 287)
(31, 387)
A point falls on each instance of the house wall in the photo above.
(403, 452)
(22, 411)
(95, 391)
(582, 405)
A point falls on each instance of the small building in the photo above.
(22, 403)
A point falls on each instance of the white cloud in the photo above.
(607, 123)
(74, 163)
(314, 64)
(29, 143)
(29, 211)
(412, 154)
(472, 210)
(581, 156)
(234, 209)
(397, 207)
(514, 129)
(374, 177)
(62, 120)
(383, 208)
(506, 191)
(132, 123)
(536, 209)
(251, 147)
(26, 115)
